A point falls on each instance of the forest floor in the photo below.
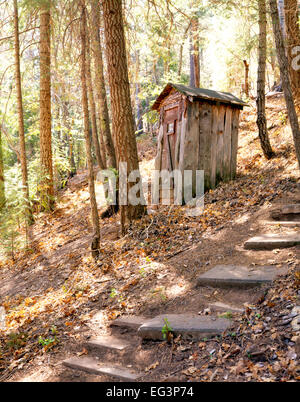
(55, 296)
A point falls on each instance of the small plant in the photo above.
(17, 340)
(283, 118)
(113, 293)
(167, 331)
(142, 272)
(48, 343)
(227, 315)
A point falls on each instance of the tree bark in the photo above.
(246, 84)
(292, 40)
(92, 107)
(68, 129)
(261, 82)
(284, 71)
(181, 49)
(47, 186)
(2, 186)
(100, 87)
(122, 116)
(95, 245)
(138, 105)
(195, 55)
(27, 210)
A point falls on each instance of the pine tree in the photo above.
(284, 72)
(122, 116)
(261, 81)
(28, 211)
(100, 86)
(292, 40)
(47, 186)
(2, 186)
(95, 245)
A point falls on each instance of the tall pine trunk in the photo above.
(2, 186)
(292, 40)
(28, 212)
(195, 55)
(138, 105)
(246, 79)
(95, 245)
(100, 86)
(184, 38)
(284, 71)
(261, 81)
(122, 116)
(92, 105)
(47, 186)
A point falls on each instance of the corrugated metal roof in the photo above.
(199, 93)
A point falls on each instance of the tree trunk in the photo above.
(292, 40)
(138, 106)
(192, 64)
(122, 116)
(181, 49)
(28, 212)
(100, 86)
(47, 187)
(246, 84)
(95, 245)
(195, 55)
(280, 7)
(284, 71)
(92, 107)
(2, 187)
(68, 129)
(261, 82)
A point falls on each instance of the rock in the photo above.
(129, 322)
(186, 325)
(272, 241)
(91, 365)
(239, 276)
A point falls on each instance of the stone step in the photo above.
(290, 209)
(92, 366)
(288, 212)
(186, 325)
(129, 322)
(224, 308)
(107, 342)
(283, 223)
(224, 276)
(271, 241)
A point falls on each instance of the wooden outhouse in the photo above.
(198, 130)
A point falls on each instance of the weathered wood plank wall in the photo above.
(227, 145)
(234, 141)
(213, 150)
(205, 130)
(206, 138)
(220, 143)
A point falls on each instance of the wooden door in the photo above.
(170, 135)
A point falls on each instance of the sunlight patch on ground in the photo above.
(39, 375)
(177, 290)
(243, 219)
